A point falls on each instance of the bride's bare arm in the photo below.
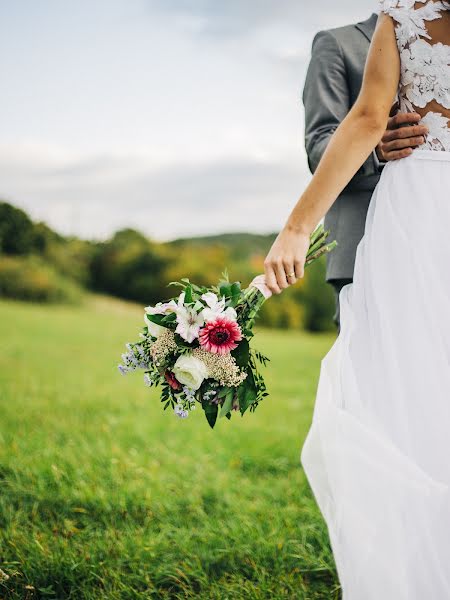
(347, 150)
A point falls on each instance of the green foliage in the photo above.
(71, 257)
(30, 278)
(242, 353)
(16, 230)
(45, 238)
(211, 412)
(202, 264)
(105, 496)
(238, 245)
(317, 299)
(131, 267)
(284, 311)
(247, 392)
(227, 404)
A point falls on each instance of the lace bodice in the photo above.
(423, 39)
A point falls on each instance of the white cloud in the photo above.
(238, 18)
(177, 117)
(96, 198)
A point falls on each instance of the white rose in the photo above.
(153, 328)
(190, 371)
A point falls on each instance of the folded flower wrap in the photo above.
(259, 282)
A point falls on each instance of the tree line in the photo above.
(39, 264)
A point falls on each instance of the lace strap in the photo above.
(429, 10)
(411, 20)
(387, 6)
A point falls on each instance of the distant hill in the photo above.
(239, 245)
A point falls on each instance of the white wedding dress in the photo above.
(377, 455)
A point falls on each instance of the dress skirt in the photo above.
(377, 455)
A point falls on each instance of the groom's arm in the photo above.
(326, 96)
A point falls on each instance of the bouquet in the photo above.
(196, 346)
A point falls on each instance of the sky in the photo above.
(174, 117)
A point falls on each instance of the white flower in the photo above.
(216, 307)
(212, 299)
(438, 137)
(190, 394)
(180, 411)
(189, 324)
(162, 308)
(189, 320)
(148, 380)
(424, 73)
(230, 314)
(190, 371)
(153, 328)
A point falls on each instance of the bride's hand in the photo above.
(285, 263)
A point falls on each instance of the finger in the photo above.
(281, 275)
(404, 143)
(402, 118)
(271, 280)
(404, 132)
(396, 155)
(400, 144)
(289, 269)
(299, 268)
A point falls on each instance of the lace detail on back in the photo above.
(423, 39)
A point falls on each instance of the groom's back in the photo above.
(332, 85)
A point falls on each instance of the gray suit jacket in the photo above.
(332, 86)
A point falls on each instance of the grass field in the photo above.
(103, 495)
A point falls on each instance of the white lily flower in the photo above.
(189, 323)
(162, 308)
(216, 308)
(189, 320)
(230, 314)
(212, 300)
(198, 306)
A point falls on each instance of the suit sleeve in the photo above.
(325, 95)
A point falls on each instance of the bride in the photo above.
(377, 455)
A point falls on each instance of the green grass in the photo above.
(104, 495)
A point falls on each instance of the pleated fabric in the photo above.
(377, 455)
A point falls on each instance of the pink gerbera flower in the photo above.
(220, 336)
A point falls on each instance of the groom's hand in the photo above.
(402, 135)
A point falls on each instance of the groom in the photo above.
(332, 85)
